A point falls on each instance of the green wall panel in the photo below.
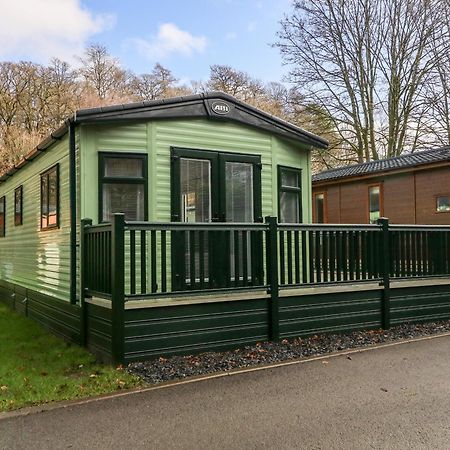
(35, 259)
(58, 316)
(420, 304)
(98, 331)
(156, 138)
(331, 312)
(185, 329)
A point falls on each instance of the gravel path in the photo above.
(179, 367)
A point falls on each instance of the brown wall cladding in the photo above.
(430, 184)
(399, 198)
(58, 316)
(408, 198)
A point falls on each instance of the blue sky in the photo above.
(184, 36)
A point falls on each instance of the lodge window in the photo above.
(375, 203)
(289, 195)
(443, 203)
(320, 207)
(2, 216)
(18, 206)
(50, 198)
(123, 186)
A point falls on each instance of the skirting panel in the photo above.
(58, 316)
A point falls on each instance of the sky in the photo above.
(184, 36)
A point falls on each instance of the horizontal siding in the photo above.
(98, 331)
(326, 313)
(206, 135)
(35, 259)
(420, 304)
(185, 329)
(58, 316)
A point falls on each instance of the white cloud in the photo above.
(169, 40)
(42, 29)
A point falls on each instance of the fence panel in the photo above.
(419, 251)
(163, 259)
(324, 254)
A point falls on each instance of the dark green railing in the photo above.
(419, 251)
(146, 260)
(316, 254)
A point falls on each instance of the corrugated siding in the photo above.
(29, 257)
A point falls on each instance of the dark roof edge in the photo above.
(104, 113)
(367, 174)
(53, 137)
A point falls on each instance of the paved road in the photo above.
(390, 398)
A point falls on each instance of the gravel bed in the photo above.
(179, 367)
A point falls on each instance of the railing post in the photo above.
(118, 287)
(385, 263)
(84, 266)
(272, 275)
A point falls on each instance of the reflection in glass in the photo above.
(239, 208)
(289, 207)
(195, 207)
(374, 203)
(443, 204)
(320, 208)
(123, 198)
(123, 167)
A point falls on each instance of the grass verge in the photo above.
(37, 367)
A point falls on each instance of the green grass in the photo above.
(37, 367)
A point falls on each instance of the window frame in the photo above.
(50, 170)
(102, 179)
(436, 211)
(380, 200)
(18, 216)
(298, 190)
(3, 226)
(325, 206)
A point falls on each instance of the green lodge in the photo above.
(184, 225)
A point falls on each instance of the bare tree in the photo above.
(103, 73)
(154, 85)
(366, 63)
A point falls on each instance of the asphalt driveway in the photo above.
(396, 397)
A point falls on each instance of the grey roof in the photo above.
(199, 105)
(384, 165)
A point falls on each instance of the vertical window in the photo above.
(2, 216)
(375, 203)
(18, 206)
(320, 207)
(50, 198)
(123, 186)
(443, 203)
(289, 195)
